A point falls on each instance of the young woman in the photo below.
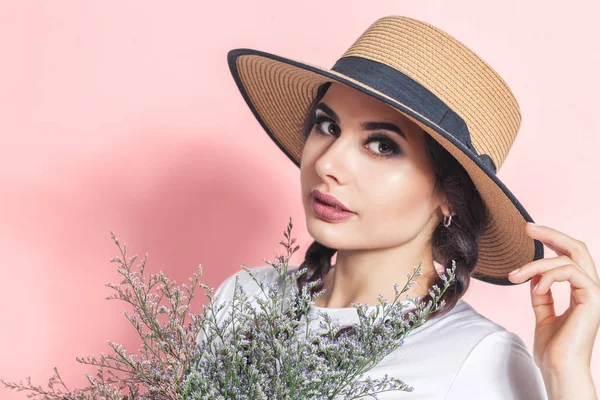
(398, 146)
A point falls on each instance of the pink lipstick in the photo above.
(328, 211)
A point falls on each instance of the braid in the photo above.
(317, 262)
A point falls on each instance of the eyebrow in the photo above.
(367, 125)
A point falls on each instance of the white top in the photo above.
(459, 356)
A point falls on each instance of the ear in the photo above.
(443, 207)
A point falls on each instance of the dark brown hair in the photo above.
(457, 242)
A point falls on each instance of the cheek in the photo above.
(309, 153)
(399, 199)
(308, 175)
(307, 159)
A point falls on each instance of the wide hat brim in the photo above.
(279, 92)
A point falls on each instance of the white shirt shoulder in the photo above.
(498, 367)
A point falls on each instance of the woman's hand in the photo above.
(562, 344)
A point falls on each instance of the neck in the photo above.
(361, 276)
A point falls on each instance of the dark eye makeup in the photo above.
(318, 121)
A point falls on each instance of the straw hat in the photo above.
(436, 82)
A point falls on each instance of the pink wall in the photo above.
(123, 116)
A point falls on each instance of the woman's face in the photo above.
(386, 180)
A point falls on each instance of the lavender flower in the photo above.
(262, 349)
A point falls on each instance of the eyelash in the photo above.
(373, 137)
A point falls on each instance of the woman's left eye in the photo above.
(383, 140)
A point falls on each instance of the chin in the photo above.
(330, 234)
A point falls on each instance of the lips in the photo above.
(329, 200)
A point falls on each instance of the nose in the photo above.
(336, 160)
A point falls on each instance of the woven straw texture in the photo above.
(281, 94)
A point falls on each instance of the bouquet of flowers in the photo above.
(259, 351)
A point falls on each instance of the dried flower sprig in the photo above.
(260, 350)
(162, 364)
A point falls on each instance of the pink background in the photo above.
(123, 116)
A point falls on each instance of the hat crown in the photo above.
(453, 73)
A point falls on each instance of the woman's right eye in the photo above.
(319, 120)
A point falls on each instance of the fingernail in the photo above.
(532, 224)
(536, 286)
(515, 271)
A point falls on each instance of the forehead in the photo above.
(349, 102)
